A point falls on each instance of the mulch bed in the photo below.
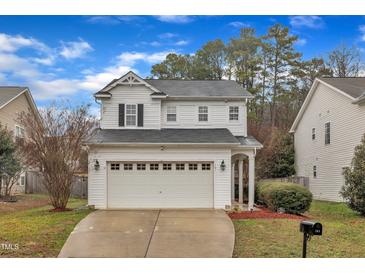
(264, 213)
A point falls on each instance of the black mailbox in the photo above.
(311, 228)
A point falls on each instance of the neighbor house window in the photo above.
(19, 132)
(166, 166)
(128, 166)
(203, 114)
(180, 166)
(205, 166)
(22, 180)
(114, 166)
(313, 133)
(233, 113)
(193, 166)
(153, 166)
(171, 114)
(314, 171)
(327, 130)
(131, 115)
(141, 166)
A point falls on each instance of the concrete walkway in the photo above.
(152, 233)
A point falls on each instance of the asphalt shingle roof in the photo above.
(8, 93)
(248, 141)
(217, 136)
(353, 86)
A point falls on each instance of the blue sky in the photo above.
(71, 57)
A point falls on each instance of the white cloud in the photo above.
(47, 61)
(312, 21)
(181, 43)
(237, 24)
(75, 49)
(362, 32)
(9, 43)
(167, 35)
(178, 19)
(130, 58)
(113, 20)
(17, 66)
(155, 44)
(301, 42)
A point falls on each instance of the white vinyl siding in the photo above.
(221, 179)
(131, 95)
(218, 115)
(347, 127)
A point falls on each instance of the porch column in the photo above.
(240, 181)
(251, 181)
(232, 181)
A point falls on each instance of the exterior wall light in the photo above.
(96, 165)
(223, 166)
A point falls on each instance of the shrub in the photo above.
(291, 197)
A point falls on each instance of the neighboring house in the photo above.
(13, 101)
(326, 130)
(170, 144)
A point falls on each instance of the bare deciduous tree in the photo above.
(54, 145)
(345, 61)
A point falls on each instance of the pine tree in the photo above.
(354, 189)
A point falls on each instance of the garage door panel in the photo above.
(160, 188)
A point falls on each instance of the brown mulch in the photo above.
(264, 213)
(23, 202)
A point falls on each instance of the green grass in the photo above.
(38, 232)
(343, 235)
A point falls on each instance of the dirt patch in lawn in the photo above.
(25, 201)
(264, 213)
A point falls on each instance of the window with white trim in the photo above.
(327, 136)
(193, 166)
(19, 132)
(171, 114)
(314, 171)
(114, 166)
(203, 114)
(153, 166)
(131, 115)
(128, 166)
(233, 113)
(141, 166)
(22, 180)
(313, 133)
(180, 166)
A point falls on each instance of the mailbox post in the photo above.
(309, 228)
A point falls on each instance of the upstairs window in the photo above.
(131, 115)
(203, 114)
(327, 130)
(233, 113)
(171, 114)
(19, 132)
(314, 171)
(313, 133)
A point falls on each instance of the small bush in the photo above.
(293, 198)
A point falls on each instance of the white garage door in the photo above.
(160, 185)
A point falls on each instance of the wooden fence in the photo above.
(34, 184)
(300, 180)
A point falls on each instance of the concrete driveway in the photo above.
(152, 233)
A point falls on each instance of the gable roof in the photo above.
(7, 94)
(180, 88)
(353, 86)
(350, 87)
(10, 93)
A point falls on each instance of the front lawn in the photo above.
(343, 235)
(36, 232)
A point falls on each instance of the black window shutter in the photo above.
(140, 115)
(121, 115)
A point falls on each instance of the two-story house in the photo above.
(326, 130)
(13, 101)
(170, 144)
